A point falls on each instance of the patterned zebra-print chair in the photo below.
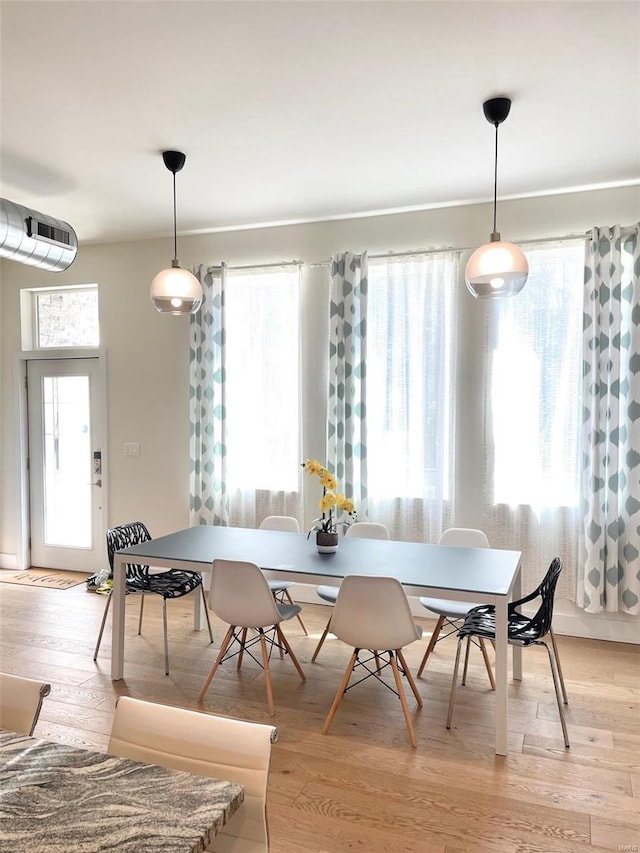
(173, 583)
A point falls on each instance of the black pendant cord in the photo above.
(175, 226)
(495, 182)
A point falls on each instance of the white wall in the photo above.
(147, 353)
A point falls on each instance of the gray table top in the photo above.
(477, 570)
(61, 799)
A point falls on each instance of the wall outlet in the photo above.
(131, 448)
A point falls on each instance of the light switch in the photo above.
(131, 448)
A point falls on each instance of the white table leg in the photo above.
(198, 610)
(501, 675)
(517, 650)
(117, 617)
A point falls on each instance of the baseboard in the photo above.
(568, 619)
(9, 561)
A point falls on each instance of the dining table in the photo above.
(482, 575)
(56, 798)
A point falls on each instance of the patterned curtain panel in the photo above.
(208, 500)
(610, 542)
(346, 428)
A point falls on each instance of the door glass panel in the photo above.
(67, 466)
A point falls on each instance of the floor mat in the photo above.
(44, 578)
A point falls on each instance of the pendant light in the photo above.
(497, 268)
(174, 290)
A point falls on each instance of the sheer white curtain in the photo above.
(245, 398)
(533, 415)
(262, 403)
(411, 386)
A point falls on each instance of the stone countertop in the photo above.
(62, 799)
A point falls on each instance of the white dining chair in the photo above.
(372, 614)
(358, 530)
(280, 589)
(240, 596)
(207, 745)
(452, 613)
(20, 702)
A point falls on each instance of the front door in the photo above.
(65, 464)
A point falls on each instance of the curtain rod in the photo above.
(218, 267)
(412, 252)
(565, 238)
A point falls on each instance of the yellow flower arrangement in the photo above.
(331, 501)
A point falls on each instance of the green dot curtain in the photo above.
(208, 498)
(609, 579)
(347, 424)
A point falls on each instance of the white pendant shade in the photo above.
(176, 291)
(496, 269)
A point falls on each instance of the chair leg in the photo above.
(228, 637)
(552, 664)
(487, 663)
(403, 699)
(322, 639)
(454, 680)
(466, 663)
(140, 617)
(432, 642)
(243, 640)
(407, 672)
(166, 636)
(104, 619)
(283, 640)
(341, 691)
(557, 657)
(267, 674)
(298, 617)
(206, 611)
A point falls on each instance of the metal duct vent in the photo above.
(29, 237)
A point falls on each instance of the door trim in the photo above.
(23, 555)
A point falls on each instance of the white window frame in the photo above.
(29, 330)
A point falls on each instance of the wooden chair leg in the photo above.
(298, 617)
(377, 657)
(487, 663)
(407, 672)
(267, 674)
(340, 693)
(243, 640)
(294, 659)
(228, 637)
(403, 700)
(322, 639)
(432, 642)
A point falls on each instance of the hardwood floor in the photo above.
(362, 787)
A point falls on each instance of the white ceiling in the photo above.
(295, 111)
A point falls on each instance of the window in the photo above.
(534, 406)
(262, 380)
(60, 317)
(410, 377)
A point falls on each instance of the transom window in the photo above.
(60, 317)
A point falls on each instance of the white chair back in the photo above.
(20, 702)
(285, 523)
(373, 613)
(240, 595)
(368, 530)
(207, 745)
(464, 537)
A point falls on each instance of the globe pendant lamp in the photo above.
(497, 268)
(174, 290)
